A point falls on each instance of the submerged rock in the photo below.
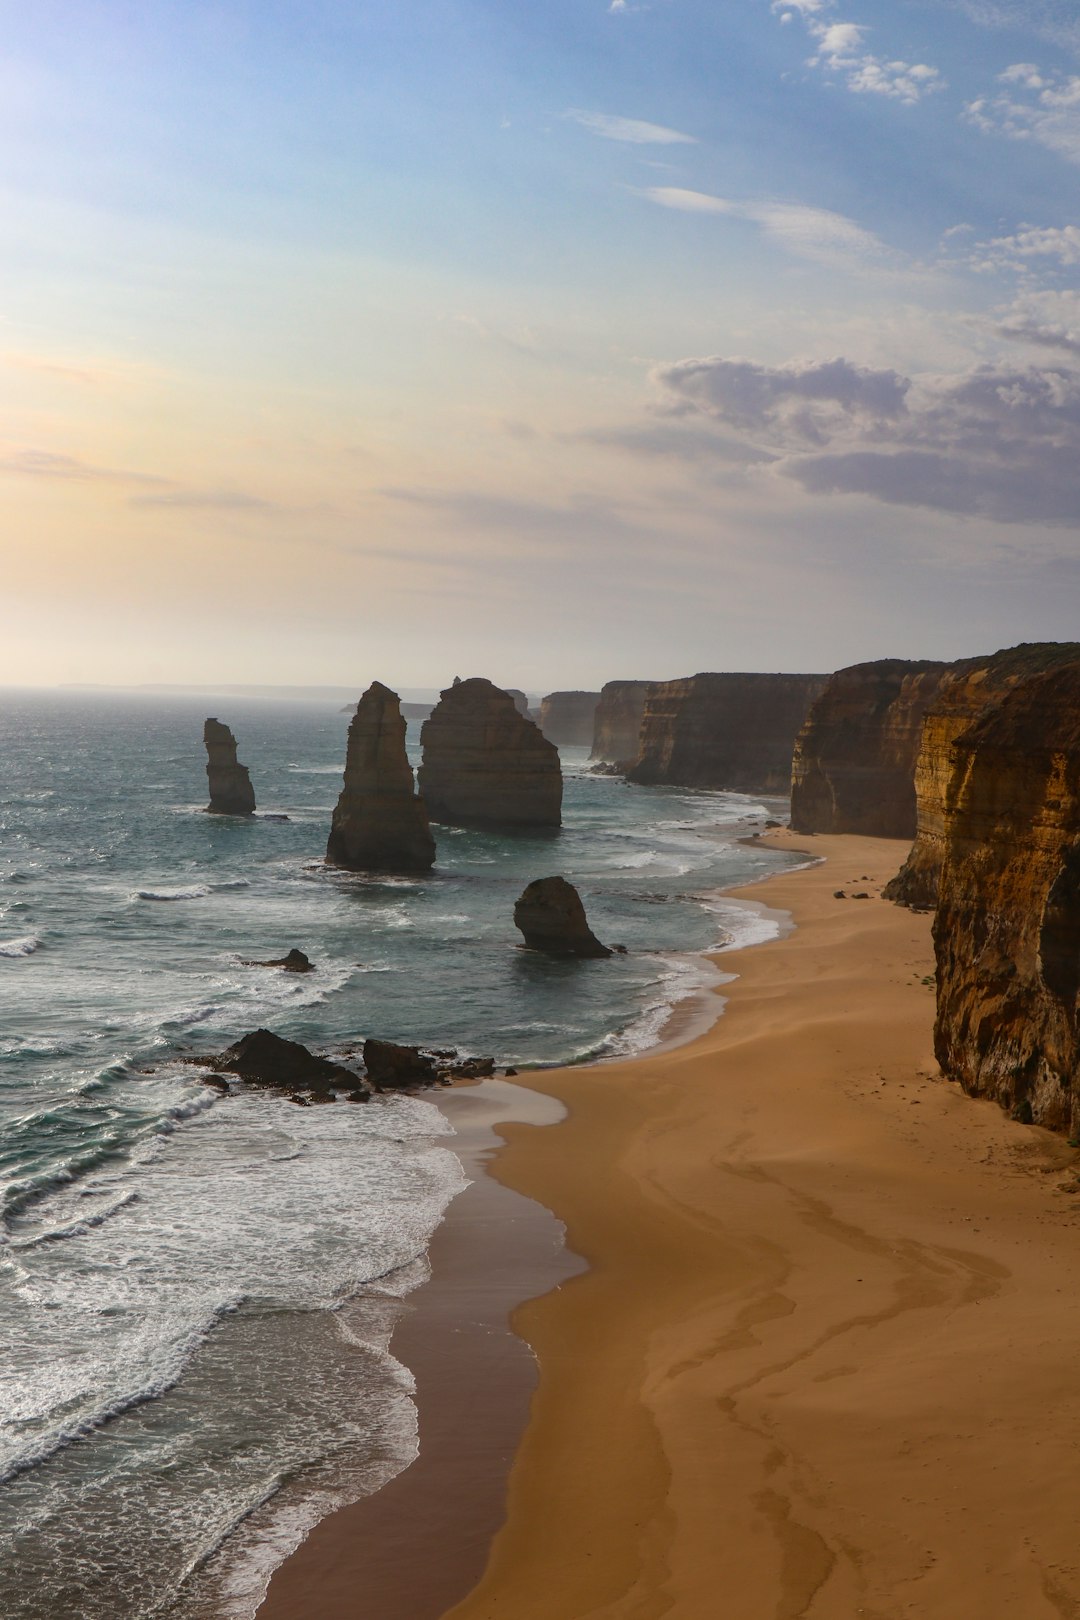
(552, 919)
(294, 962)
(379, 823)
(485, 764)
(231, 793)
(265, 1059)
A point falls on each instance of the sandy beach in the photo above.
(823, 1362)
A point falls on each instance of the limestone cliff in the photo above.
(617, 722)
(968, 689)
(231, 793)
(379, 823)
(485, 764)
(854, 766)
(1007, 930)
(724, 731)
(568, 717)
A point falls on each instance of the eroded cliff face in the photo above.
(1007, 930)
(854, 765)
(231, 792)
(617, 722)
(724, 731)
(379, 823)
(968, 690)
(485, 764)
(568, 717)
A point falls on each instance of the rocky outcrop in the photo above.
(389, 1066)
(294, 962)
(724, 731)
(568, 718)
(968, 690)
(617, 721)
(552, 919)
(265, 1059)
(485, 764)
(854, 766)
(231, 793)
(379, 823)
(1007, 929)
(521, 702)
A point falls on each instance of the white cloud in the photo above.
(1047, 320)
(996, 441)
(1048, 113)
(841, 50)
(816, 234)
(1029, 248)
(635, 131)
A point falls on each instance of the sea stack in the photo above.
(379, 823)
(734, 731)
(854, 765)
(617, 721)
(1007, 930)
(231, 793)
(485, 764)
(569, 717)
(969, 689)
(552, 919)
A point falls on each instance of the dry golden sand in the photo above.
(826, 1362)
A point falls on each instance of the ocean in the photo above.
(198, 1293)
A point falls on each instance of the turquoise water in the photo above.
(172, 1263)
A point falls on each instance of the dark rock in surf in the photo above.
(294, 962)
(390, 1066)
(264, 1059)
(552, 919)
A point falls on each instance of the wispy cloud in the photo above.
(60, 468)
(1046, 319)
(634, 131)
(1028, 250)
(206, 500)
(841, 50)
(1033, 106)
(816, 234)
(1054, 20)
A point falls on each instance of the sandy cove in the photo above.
(824, 1362)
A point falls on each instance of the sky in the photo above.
(560, 343)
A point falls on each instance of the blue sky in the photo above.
(558, 342)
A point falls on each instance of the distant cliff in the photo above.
(1007, 930)
(568, 717)
(231, 792)
(968, 689)
(485, 764)
(617, 722)
(854, 767)
(724, 731)
(379, 823)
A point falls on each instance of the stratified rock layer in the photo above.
(854, 766)
(485, 764)
(968, 690)
(379, 823)
(617, 722)
(231, 793)
(1007, 930)
(732, 731)
(569, 717)
(552, 919)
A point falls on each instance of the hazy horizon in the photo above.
(609, 339)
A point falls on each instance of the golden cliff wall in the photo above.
(854, 765)
(968, 690)
(617, 722)
(1007, 930)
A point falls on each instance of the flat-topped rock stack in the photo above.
(379, 825)
(968, 690)
(854, 765)
(569, 718)
(485, 764)
(231, 792)
(1007, 929)
(734, 731)
(617, 721)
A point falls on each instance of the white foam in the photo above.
(194, 891)
(26, 945)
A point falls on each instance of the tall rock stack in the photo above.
(617, 722)
(854, 766)
(379, 823)
(231, 792)
(1007, 930)
(724, 731)
(569, 717)
(969, 689)
(485, 764)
